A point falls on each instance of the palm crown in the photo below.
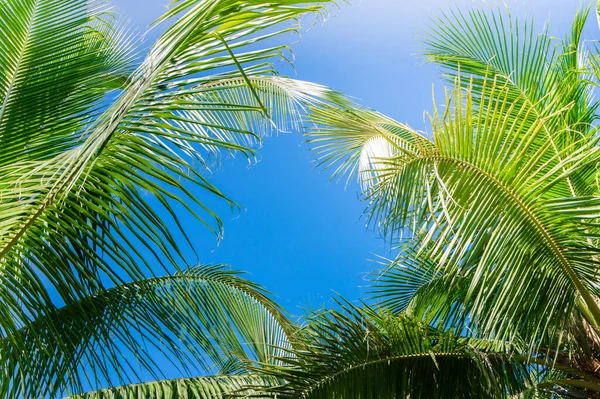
(495, 210)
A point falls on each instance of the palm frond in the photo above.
(217, 387)
(91, 213)
(356, 142)
(363, 354)
(206, 318)
(481, 49)
(59, 60)
(412, 284)
(492, 46)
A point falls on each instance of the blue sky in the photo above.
(301, 235)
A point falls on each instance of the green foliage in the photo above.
(191, 388)
(359, 353)
(206, 317)
(95, 147)
(495, 212)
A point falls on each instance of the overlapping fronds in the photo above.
(500, 202)
(204, 319)
(356, 142)
(484, 207)
(59, 59)
(541, 75)
(84, 199)
(493, 46)
(359, 353)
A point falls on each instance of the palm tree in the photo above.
(95, 149)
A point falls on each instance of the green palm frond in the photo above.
(544, 385)
(547, 382)
(489, 203)
(363, 354)
(541, 76)
(575, 70)
(413, 284)
(492, 46)
(90, 211)
(206, 318)
(190, 388)
(356, 141)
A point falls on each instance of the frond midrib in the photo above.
(91, 149)
(15, 72)
(173, 381)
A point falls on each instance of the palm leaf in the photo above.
(91, 212)
(206, 317)
(482, 48)
(189, 388)
(360, 353)
(74, 46)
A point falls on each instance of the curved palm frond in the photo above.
(48, 94)
(363, 354)
(575, 70)
(189, 388)
(90, 211)
(546, 383)
(484, 204)
(483, 47)
(75, 46)
(206, 317)
(480, 49)
(413, 285)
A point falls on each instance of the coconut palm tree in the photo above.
(101, 153)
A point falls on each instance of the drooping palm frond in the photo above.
(546, 383)
(206, 318)
(355, 141)
(87, 211)
(59, 60)
(488, 202)
(48, 93)
(190, 388)
(413, 284)
(363, 354)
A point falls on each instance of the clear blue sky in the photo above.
(300, 235)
